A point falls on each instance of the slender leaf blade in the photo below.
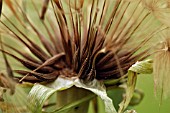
(143, 67)
(38, 95)
(99, 89)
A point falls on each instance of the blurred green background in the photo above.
(150, 103)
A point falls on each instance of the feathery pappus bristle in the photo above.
(160, 9)
(162, 65)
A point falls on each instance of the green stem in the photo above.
(71, 95)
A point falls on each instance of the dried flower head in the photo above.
(99, 39)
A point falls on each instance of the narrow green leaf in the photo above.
(38, 95)
(132, 77)
(94, 86)
(143, 67)
(99, 89)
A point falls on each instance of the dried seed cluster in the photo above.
(99, 39)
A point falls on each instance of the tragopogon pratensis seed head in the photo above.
(75, 38)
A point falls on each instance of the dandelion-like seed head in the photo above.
(161, 64)
(79, 39)
(160, 9)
